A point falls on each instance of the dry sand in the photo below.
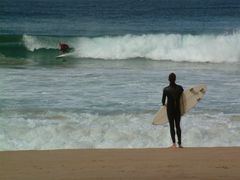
(187, 163)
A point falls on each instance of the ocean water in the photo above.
(106, 92)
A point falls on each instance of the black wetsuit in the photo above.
(173, 93)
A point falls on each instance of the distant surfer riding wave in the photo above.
(64, 48)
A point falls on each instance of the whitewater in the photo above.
(94, 103)
(107, 92)
(175, 47)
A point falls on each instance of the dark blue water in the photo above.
(118, 17)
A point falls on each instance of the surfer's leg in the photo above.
(172, 130)
(177, 122)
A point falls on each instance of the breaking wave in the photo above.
(175, 47)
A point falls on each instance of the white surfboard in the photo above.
(64, 55)
(189, 99)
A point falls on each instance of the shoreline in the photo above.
(163, 163)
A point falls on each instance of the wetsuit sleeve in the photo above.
(182, 90)
(163, 97)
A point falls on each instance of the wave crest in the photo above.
(176, 47)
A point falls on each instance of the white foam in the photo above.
(200, 48)
(176, 47)
(33, 42)
(56, 130)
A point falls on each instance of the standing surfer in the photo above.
(173, 93)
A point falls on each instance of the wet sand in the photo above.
(164, 163)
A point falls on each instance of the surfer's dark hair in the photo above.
(172, 78)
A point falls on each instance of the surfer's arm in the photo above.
(182, 110)
(182, 90)
(163, 98)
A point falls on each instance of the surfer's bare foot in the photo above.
(173, 146)
(180, 146)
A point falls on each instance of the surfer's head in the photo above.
(172, 78)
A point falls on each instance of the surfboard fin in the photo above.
(202, 90)
(192, 90)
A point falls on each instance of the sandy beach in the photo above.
(187, 163)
